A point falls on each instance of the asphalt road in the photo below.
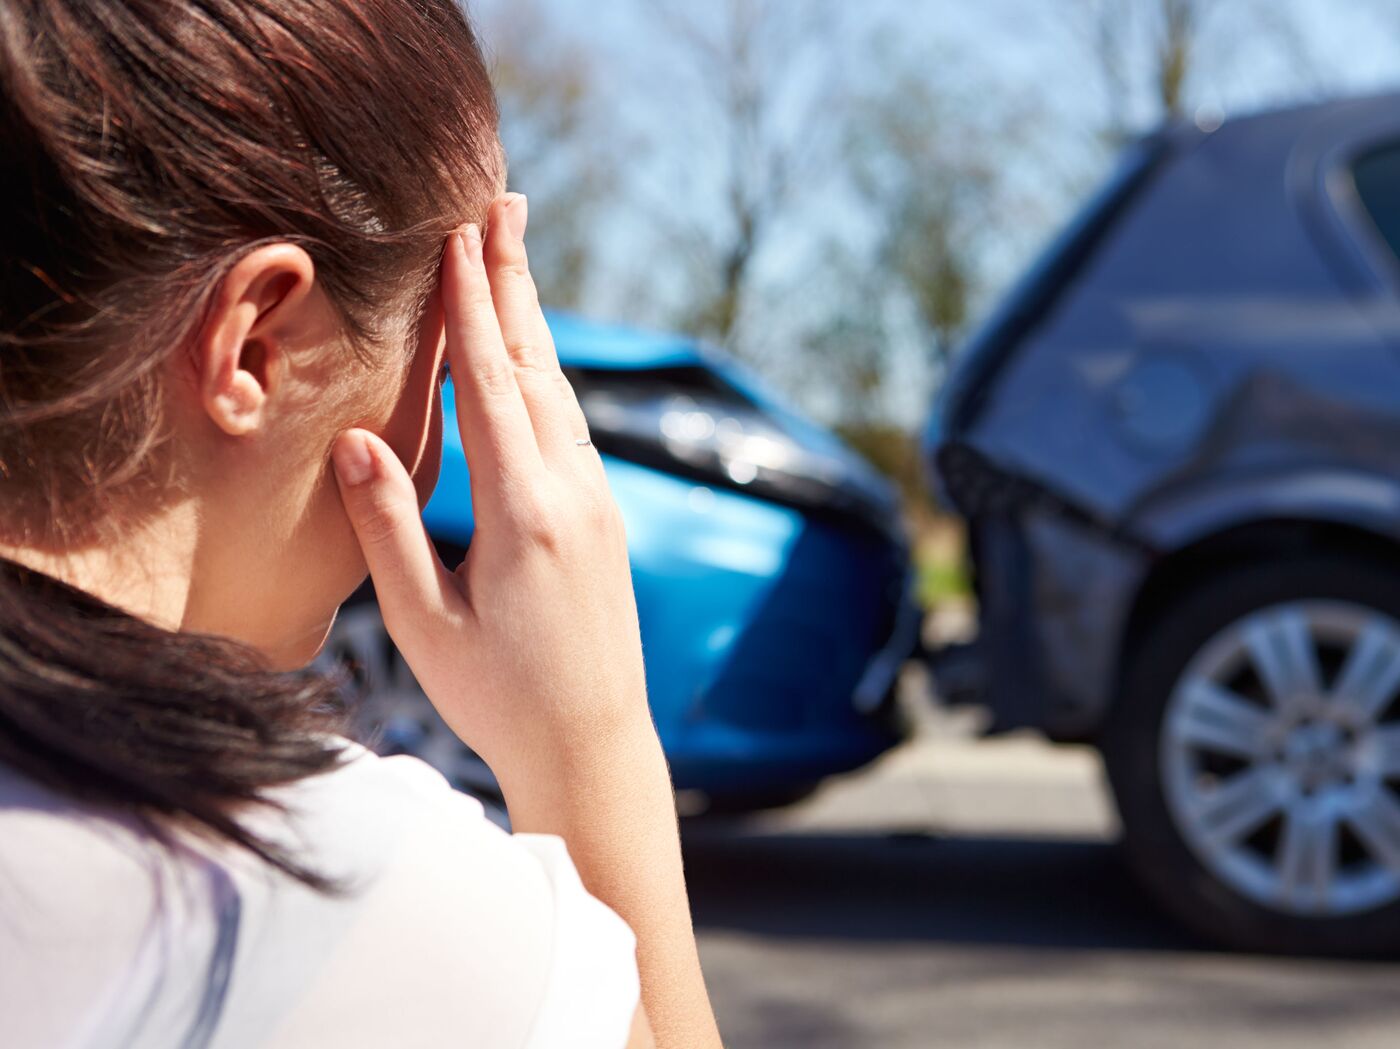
(970, 895)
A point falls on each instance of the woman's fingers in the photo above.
(497, 434)
(554, 411)
(382, 504)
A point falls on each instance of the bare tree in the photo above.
(560, 151)
(755, 102)
(1154, 58)
(1142, 49)
(1178, 24)
(932, 152)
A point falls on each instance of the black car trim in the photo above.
(840, 505)
(981, 488)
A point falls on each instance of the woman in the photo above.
(244, 240)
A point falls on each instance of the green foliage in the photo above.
(941, 577)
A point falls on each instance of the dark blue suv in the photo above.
(1177, 450)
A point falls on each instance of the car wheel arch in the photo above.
(1175, 573)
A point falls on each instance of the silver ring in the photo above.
(582, 442)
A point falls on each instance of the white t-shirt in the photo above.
(451, 932)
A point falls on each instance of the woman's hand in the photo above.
(530, 650)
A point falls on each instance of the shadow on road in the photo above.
(833, 939)
(912, 887)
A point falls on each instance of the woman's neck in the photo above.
(146, 571)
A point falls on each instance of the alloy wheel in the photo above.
(1280, 757)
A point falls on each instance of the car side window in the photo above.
(1377, 176)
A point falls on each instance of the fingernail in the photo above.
(351, 457)
(517, 215)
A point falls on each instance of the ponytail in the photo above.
(106, 709)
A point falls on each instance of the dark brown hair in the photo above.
(144, 146)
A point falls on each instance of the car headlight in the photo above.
(689, 421)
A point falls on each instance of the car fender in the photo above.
(1173, 520)
(1095, 581)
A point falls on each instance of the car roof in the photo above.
(1337, 113)
(1247, 209)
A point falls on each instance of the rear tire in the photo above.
(1321, 874)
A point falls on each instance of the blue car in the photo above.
(770, 568)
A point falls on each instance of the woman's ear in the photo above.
(262, 305)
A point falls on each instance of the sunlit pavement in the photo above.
(968, 894)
